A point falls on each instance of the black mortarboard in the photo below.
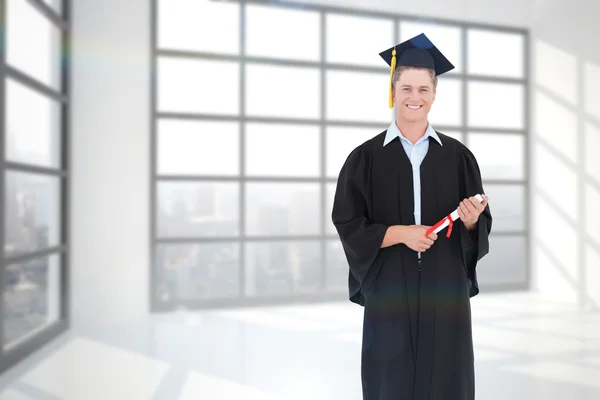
(418, 51)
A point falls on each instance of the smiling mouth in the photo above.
(411, 107)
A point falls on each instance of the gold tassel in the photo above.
(391, 99)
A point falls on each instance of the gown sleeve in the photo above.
(475, 243)
(361, 238)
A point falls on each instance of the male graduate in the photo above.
(416, 290)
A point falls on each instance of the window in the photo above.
(197, 86)
(33, 176)
(497, 132)
(256, 108)
(290, 34)
(494, 53)
(343, 103)
(265, 155)
(282, 91)
(350, 39)
(496, 105)
(448, 109)
(500, 156)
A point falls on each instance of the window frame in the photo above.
(324, 66)
(36, 339)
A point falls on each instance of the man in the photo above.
(416, 290)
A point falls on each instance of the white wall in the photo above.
(109, 163)
(567, 119)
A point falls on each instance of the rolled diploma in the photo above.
(454, 217)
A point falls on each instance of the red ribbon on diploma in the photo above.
(449, 219)
(433, 228)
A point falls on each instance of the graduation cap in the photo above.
(418, 51)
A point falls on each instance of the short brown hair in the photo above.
(399, 70)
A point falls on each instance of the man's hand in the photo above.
(470, 209)
(414, 237)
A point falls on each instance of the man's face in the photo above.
(414, 94)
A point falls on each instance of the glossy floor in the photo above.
(526, 347)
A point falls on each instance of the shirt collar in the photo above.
(394, 132)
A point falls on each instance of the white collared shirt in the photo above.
(416, 153)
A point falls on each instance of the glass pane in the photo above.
(446, 38)
(197, 271)
(32, 297)
(282, 208)
(32, 140)
(330, 230)
(592, 144)
(453, 134)
(558, 180)
(198, 25)
(265, 157)
(198, 147)
(33, 43)
(495, 53)
(447, 107)
(283, 268)
(505, 264)
(198, 86)
(337, 267)
(198, 209)
(32, 212)
(507, 203)
(298, 33)
(358, 96)
(358, 40)
(500, 156)
(340, 143)
(282, 91)
(485, 99)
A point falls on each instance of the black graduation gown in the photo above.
(417, 341)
